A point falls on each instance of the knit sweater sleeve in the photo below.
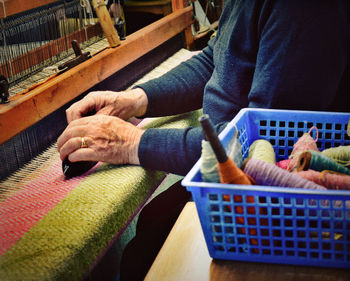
(181, 89)
(172, 150)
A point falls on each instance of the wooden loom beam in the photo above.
(13, 7)
(27, 109)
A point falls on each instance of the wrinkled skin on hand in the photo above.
(109, 139)
(121, 104)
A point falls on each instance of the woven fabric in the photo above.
(54, 229)
(57, 228)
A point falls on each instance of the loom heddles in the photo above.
(26, 60)
(25, 33)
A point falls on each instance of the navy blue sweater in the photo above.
(267, 54)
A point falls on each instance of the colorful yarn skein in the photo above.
(284, 164)
(339, 154)
(305, 142)
(317, 161)
(263, 150)
(328, 179)
(268, 174)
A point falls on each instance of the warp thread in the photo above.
(328, 179)
(339, 154)
(305, 143)
(263, 150)
(317, 161)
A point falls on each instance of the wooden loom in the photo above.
(52, 228)
(43, 99)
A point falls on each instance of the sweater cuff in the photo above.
(170, 150)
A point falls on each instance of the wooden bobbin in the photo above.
(304, 160)
(106, 23)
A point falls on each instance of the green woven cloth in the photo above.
(66, 241)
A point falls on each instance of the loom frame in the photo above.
(26, 108)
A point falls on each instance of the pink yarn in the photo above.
(304, 143)
(284, 164)
(268, 174)
(327, 179)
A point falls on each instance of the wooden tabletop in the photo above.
(184, 256)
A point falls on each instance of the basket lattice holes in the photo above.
(280, 226)
(291, 226)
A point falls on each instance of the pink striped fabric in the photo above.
(30, 203)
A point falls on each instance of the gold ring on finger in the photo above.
(83, 143)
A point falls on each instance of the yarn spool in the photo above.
(234, 149)
(339, 154)
(304, 143)
(228, 170)
(209, 165)
(268, 174)
(317, 161)
(328, 179)
(263, 150)
(229, 173)
(284, 164)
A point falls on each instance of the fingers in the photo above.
(83, 154)
(90, 104)
(79, 110)
(70, 141)
(75, 152)
(70, 146)
(69, 133)
(109, 139)
(120, 104)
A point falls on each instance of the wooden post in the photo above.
(180, 4)
(106, 22)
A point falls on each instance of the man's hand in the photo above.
(121, 104)
(109, 139)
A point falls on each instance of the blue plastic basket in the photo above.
(287, 225)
